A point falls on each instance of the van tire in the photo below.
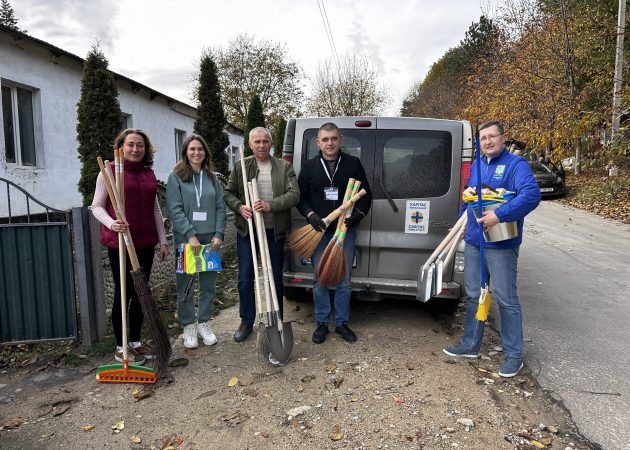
(443, 305)
(296, 294)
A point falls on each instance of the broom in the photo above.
(329, 248)
(332, 265)
(305, 240)
(160, 338)
(484, 295)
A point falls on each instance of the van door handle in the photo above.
(387, 196)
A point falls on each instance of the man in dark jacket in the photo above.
(499, 169)
(278, 194)
(323, 180)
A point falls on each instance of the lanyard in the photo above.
(198, 192)
(325, 166)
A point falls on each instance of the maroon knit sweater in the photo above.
(140, 192)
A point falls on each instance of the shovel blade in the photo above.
(437, 279)
(280, 342)
(426, 284)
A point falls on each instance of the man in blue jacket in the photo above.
(499, 169)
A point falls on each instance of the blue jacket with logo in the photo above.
(510, 172)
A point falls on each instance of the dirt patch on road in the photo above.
(392, 389)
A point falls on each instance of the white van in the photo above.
(417, 169)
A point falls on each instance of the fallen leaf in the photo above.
(330, 367)
(354, 398)
(135, 392)
(336, 434)
(338, 382)
(180, 439)
(398, 399)
(537, 444)
(250, 391)
(168, 441)
(233, 382)
(189, 352)
(245, 381)
(552, 429)
(118, 426)
(547, 440)
(136, 439)
(146, 392)
(88, 427)
(481, 369)
(15, 422)
(179, 362)
(28, 362)
(207, 394)
(299, 388)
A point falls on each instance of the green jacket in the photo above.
(181, 200)
(286, 194)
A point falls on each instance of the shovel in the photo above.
(428, 285)
(279, 334)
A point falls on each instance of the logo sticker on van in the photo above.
(417, 216)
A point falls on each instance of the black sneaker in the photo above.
(346, 333)
(320, 333)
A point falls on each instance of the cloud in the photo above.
(73, 25)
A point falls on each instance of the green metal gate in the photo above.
(37, 299)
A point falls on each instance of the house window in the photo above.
(179, 141)
(18, 123)
(125, 121)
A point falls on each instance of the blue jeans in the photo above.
(501, 268)
(343, 290)
(247, 307)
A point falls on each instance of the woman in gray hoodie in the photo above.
(196, 209)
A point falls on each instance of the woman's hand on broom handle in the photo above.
(119, 226)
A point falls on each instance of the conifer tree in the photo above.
(278, 137)
(7, 16)
(210, 122)
(98, 119)
(255, 118)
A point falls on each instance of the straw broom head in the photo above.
(334, 269)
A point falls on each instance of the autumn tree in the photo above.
(264, 68)
(7, 17)
(255, 118)
(98, 119)
(210, 121)
(352, 87)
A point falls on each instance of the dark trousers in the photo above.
(246, 275)
(134, 309)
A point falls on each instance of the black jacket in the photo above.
(313, 179)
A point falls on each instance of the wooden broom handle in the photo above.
(344, 208)
(445, 241)
(108, 180)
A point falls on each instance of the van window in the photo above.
(416, 163)
(349, 145)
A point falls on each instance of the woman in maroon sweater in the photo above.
(146, 225)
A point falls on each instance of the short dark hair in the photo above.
(183, 169)
(329, 126)
(149, 150)
(492, 123)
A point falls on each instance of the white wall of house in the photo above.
(54, 79)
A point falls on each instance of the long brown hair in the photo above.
(183, 168)
(149, 150)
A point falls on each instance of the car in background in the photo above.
(550, 178)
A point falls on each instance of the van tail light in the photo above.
(288, 158)
(465, 173)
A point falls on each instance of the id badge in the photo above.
(331, 193)
(200, 216)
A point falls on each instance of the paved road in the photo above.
(574, 285)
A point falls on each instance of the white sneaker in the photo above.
(190, 336)
(206, 333)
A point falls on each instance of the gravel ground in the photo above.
(394, 388)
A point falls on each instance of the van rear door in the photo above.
(416, 184)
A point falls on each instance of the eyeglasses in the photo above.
(490, 137)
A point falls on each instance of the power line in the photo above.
(329, 35)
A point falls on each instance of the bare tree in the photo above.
(352, 88)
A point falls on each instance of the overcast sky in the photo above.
(158, 42)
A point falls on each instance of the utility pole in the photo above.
(621, 26)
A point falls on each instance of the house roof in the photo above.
(135, 85)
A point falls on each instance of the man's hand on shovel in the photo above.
(488, 220)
